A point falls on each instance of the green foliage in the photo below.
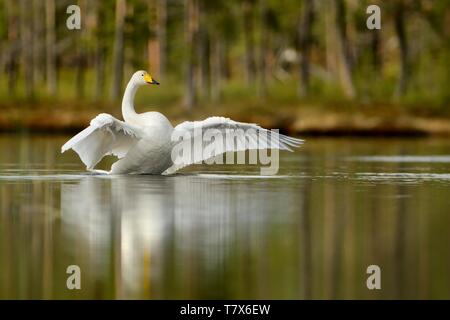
(276, 31)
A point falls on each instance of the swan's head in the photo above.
(142, 78)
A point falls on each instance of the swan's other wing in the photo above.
(248, 136)
(105, 135)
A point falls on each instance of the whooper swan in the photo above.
(144, 141)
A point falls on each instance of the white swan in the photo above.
(143, 142)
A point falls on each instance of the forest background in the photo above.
(304, 66)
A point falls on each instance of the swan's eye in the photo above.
(142, 74)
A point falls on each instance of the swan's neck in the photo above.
(128, 111)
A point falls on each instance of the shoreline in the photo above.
(302, 122)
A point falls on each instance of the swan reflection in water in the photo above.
(181, 236)
(308, 234)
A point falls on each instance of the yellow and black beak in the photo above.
(150, 80)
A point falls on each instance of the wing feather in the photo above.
(249, 136)
(105, 135)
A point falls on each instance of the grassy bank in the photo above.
(281, 108)
(294, 119)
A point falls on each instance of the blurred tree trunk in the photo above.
(27, 47)
(330, 43)
(38, 31)
(305, 41)
(377, 61)
(225, 60)
(162, 37)
(118, 62)
(100, 51)
(13, 41)
(191, 34)
(153, 41)
(264, 42)
(50, 39)
(203, 51)
(81, 52)
(250, 69)
(216, 65)
(157, 42)
(344, 49)
(400, 30)
(3, 44)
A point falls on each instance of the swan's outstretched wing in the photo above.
(105, 135)
(246, 136)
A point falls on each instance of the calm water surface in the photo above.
(336, 207)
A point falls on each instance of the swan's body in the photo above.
(143, 142)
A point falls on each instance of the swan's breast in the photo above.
(152, 153)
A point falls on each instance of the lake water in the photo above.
(336, 207)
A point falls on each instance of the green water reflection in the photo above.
(337, 206)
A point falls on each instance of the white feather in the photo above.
(105, 135)
(143, 142)
(249, 136)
